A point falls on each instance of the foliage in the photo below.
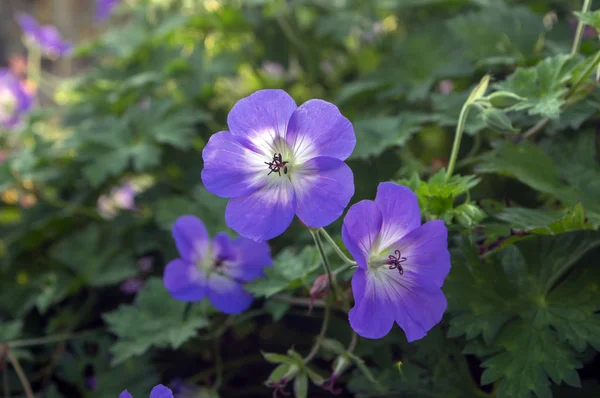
(522, 204)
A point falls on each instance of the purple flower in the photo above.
(401, 264)
(159, 391)
(104, 8)
(132, 285)
(217, 269)
(278, 160)
(14, 100)
(120, 198)
(47, 38)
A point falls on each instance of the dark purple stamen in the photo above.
(395, 261)
(277, 164)
(279, 387)
(329, 386)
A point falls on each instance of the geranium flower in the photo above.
(401, 264)
(217, 269)
(278, 160)
(104, 8)
(14, 100)
(47, 38)
(120, 198)
(159, 391)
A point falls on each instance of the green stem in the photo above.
(34, 65)
(353, 342)
(325, 324)
(22, 377)
(457, 138)
(579, 32)
(49, 339)
(336, 248)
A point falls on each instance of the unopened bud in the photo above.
(504, 99)
(320, 287)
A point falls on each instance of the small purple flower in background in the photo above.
(401, 264)
(120, 198)
(278, 160)
(104, 8)
(91, 382)
(145, 264)
(217, 269)
(132, 285)
(47, 38)
(14, 100)
(159, 391)
(181, 389)
(446, 86)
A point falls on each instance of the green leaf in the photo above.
(542, 85)
(301, 386)
(104, 268)
(591, 18)
(544, 221)
(290, 270)
(276, 358)
(10, 330)
(373, 136)
(154, 320)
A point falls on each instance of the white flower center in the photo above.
(8, 104)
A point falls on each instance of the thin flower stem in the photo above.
(579, 32)
(49, 339)
(336, 248)
(464, 112)
(19, 370)
(353, 342)
(330, 297)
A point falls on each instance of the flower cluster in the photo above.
(44, 37)
(15, 102)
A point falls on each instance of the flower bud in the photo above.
(504, 99)
(320, 287)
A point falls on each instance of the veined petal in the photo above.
(400, 210)
(317, 128)
(252, 258)
(426, 252)
(191, 238)
(260, 119)
(418, 306)
(227, 295)
(372, 316)
(265, 214)
(360, 230)
(161, 391)
(231, 169)
(324, 187)
(185, 281)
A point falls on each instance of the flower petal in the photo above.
(252, 258)
(360, 230)
(324, 187)
(161, 391)
(426, 252)
(400, 210)
(191, 238)
(222, 248)
(418, 307)
(230, 168)
(28, 24)
(265, 214)
(228, 295)
(125, 394)
(261, 118)
(372, 316)
(184, 281)
(317, 128)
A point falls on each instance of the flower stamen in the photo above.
(395, 261)
(277, 164)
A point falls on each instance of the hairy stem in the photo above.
(19, 370)
(579, 32)
(336, 248)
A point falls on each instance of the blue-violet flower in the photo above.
(14, 100)
(401, 264)
(104, 8)
(159, 391)
(47, 38)
(217, 269)
(278, 160)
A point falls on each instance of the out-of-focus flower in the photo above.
(91, 382)
(46, 37)
(589, 32)
(446, 86)
(14, 100)
(159, 391)
(181, 389)
(217, 269)
(320, 287)
(120, 198)
(280, 160)
(132, 285)
(17, 63)
(104, 8)
(402, 264)
(273, 69)
(145, 264)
